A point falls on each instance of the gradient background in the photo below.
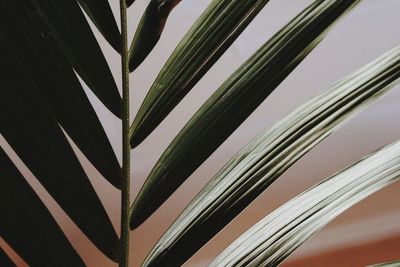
(368, 233)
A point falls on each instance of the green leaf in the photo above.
(27, 226)
(275, 237)
(33, 132)
(5, 261)
(130, 2)
(64, 22)
(149, 30)
(268, 156)
(212, 34)
(44, 62)
(102, 16)
(387, 264)
(234, 101)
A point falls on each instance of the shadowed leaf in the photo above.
(64, 22)
(130, 2)
(212, 34)
(234, 101)
(5, 261)
(149, 30)
(275, 237)
(31, 130)
(268, 156)
(101, 14)
(27, 226)
(43, 61)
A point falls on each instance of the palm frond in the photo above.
(27, 225)
(101, 14)
(33, 132)
(269, 155)
(275, 237)
(64, 22)
(234, 101)
(149, 31)
(211, 35)
(5, 260)
(43, 61)
(387, 264)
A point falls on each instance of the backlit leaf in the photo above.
(275, 237)
(268, 156)
(234, 101)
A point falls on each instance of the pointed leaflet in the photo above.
(234, 101)
(206, 41)
(27, 225)
(149, 30)
(34, 134)
(130, 2)
(101, 14)
(269, 155)
(275, 237)
(5, 261)
(56, 81)
(65, 23)
(387, 264)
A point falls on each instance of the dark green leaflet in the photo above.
(101, 14)
(44, 62)
(28, 226)
(211, 35)
(149, 31)
(234, 101)
(5, 261)
(64, 22)
(33, 132)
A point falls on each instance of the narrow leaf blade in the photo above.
(129, 2)
(234, 101)
(269, 155)
(212, 34)
(65, 23)
(5, 260)
(387, 264)
(31, 130)
(27, 225)
(280, 233)
(149, 30)
(58, 84)
(102, 16)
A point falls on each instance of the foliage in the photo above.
(49, 44)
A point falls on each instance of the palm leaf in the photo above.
(130, 2)
(212, 34)
(54, 78)
(149, 31)
(64, 22)
(34, 134)
(269, 155)
(101, 14)
(387, 264)
(276, 236)
(27, 226)
(234, 101)
(5, 261)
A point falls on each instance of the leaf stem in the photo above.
(126, 149)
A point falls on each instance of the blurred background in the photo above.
(367, 233)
